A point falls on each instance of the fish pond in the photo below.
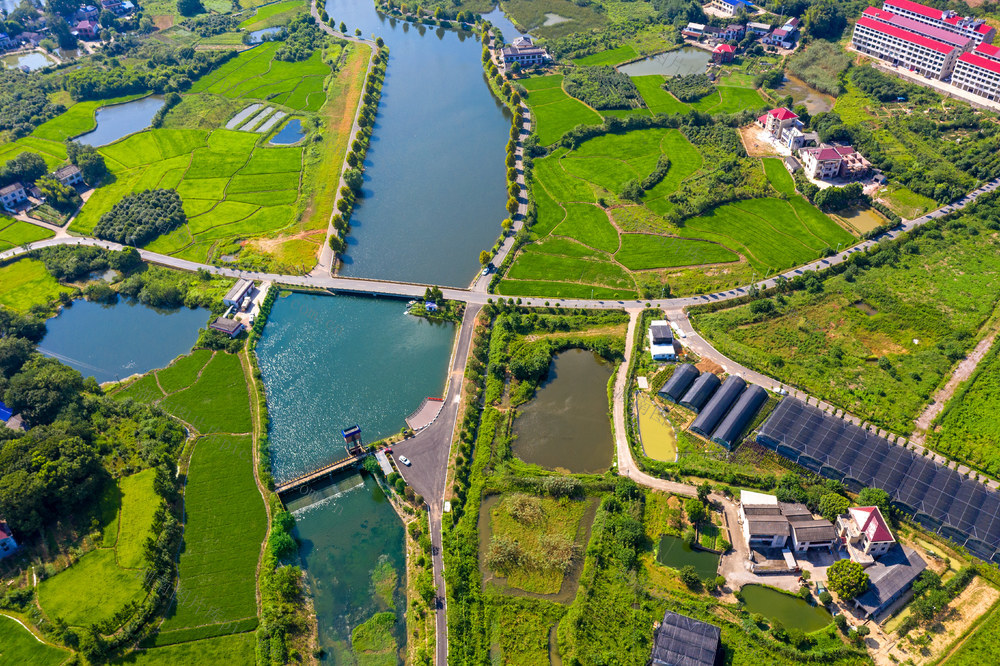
(791, 611)
(30, 61)
(257, 36)
(118, 121)
(680, 62)
(659, 439)
(673, 552)
(291, 133)
(814, 101)
(112, 342)
(566, 425)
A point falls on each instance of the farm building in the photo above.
(826, 162)
(7, 543)
(723, 53)
(661, 341)
(693, 30)
(701, 390)
(716, 408)
(238, 292)
(865, 533)
(230, 327)
(12, 195)
(70, 176)
(740, 416)
(679, 382)
(889, 579)
(807, 531)
(763, 524)
(733, 7)
(682, 641)
(759, 29)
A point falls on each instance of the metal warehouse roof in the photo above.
(701, 390)
(684, 641)
(740, 416)
(941, 499)
(679, 382)
(716, 409)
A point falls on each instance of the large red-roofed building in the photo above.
(884, 40)
(975, 29)
(978, 74)
(864, 532)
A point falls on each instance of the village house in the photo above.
(723, 53)
(864, 533)
(826, 162)
(731, 32)
(12, 196)
(87, 13)
(759, 29)
(785, 36)
(733, 7)
(230, 327)
(768, 523)
(694, 30)
(784, 127)
(524, 53)
(661, 341)
(8, 546)
(86, 29)
(889, 579)
(70, 176)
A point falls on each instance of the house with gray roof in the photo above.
(890, 578)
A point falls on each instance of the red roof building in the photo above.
(973, 28)
(723, 53)
(988, 51)
(978, 75)
(865, 533)
(901, 47)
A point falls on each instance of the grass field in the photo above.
(138, 504)
(724, 99)
(981, 646)
(552, 526)
(25, 282)
(531, 15)
(14, 233)
(92, 590)
(271, 15)
(914, 312)
(555, 112)
(585, 246)
(217, 402)
(778, 176)
(657, 99)
(224, 527)
(612, 57)
(906, 203)
(233, 649)
(21, 647)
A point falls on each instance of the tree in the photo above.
(189, 7)
(847, 578)
(14, 353)
(632, 190)
(824, 19)
(337, 244)
(92, 167)
(690, 577)
(876, 497)
(832, 505)
(343, 27)
(354, 179)
(484, 257)
(512, 205)
(67, 7)
(704, 489)
(695, 510)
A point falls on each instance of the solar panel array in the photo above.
(941, 499)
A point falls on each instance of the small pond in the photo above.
(257, 36)
(554, 19)
(112, 342)
(506, 26)
(683, 61)
(566, 424)
(791, 611)
(862, 218)
(289, 134)
(673, 552)
(32, 61)
(815, 101)
(120, 120)
(659, 440)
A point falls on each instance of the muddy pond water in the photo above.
(673, 552)
(566, 424)
(791, 611)
(814, 101)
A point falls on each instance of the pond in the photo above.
(118, 121)
(350, 535)
(682, 61)
(434, 191)
(659, 440)
(814, 101)
(499, 19)
(112, 342)
(566, 424)
(289, 134)
(673, 552)
(34, 60)
(257, 36)
(862, 218)
(791, 611)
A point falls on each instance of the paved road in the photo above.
(428, 453)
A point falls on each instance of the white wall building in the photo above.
(946, 19)
(661, 341)
(978, 74)
(922, 54)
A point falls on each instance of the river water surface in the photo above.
(435, 179)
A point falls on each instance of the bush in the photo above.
(603, 88)
(825, 598)
(140, 217)
(689, 88)
(690, 578)
(847, 578)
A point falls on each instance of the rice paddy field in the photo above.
(271, 15)
(25, 282)
(20, 646)
(555, 112)
(582, 247)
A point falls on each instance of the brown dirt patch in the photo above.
(708, 365)
(755, 143)
(273, 244)
(589, 333)
(163, 22)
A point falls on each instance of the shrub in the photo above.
(140, 217)
(689, 88)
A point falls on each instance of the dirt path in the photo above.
(962, 372)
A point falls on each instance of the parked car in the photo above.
(404, 460)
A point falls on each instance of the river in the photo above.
(435, 179)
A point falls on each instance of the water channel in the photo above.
(500, 21)
(112, 342)
(118, 121)
(435, 179)
(791, 611)
(679, 62)
(673, 552)
(566, 424)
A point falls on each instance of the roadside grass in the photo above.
(557, 290)
(25, 283)
(218, 401)
(14, 233)
(533, 265)
(918, 312)
(21, 647)
(558, 520)
(778, 175)
(232, 649)
(92, 590)
(138, 504)
(225, 523)
(555, 113)
(905, 202)
(616, 56)
(981, 646)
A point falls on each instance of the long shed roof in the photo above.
(740, 416)
(684, 641)
(716, 409)
(679, 382)
(701, 390)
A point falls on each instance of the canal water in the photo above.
(673, 552)
(112, 342)
(118, 121)
(435, 179)
(566, 424)
(680, 62)
(791, 611)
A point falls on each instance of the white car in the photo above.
(404, 460)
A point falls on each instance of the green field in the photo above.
(272, 15)
(19, 646)
(233, 649)
(139, 502)
(218, 401)
(225, 523)
(587, 247)
(14, 233)
(25, 282)
(778, 176)
(92, 590)
(612, 57)
(919, 311)
(724, 99)
(531, 16)
(657, 99)
(981, 646)
(555, 112)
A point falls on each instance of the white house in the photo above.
(784, 126)
(733, 7)
(978, 73)
(7, 543)
(235, 295)
(70, 176)
(760, 29)
(523, 52)
(693, 30)
(875, 34)
(762, 522)
(864, 531)
(12, 195)
(661, 341)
